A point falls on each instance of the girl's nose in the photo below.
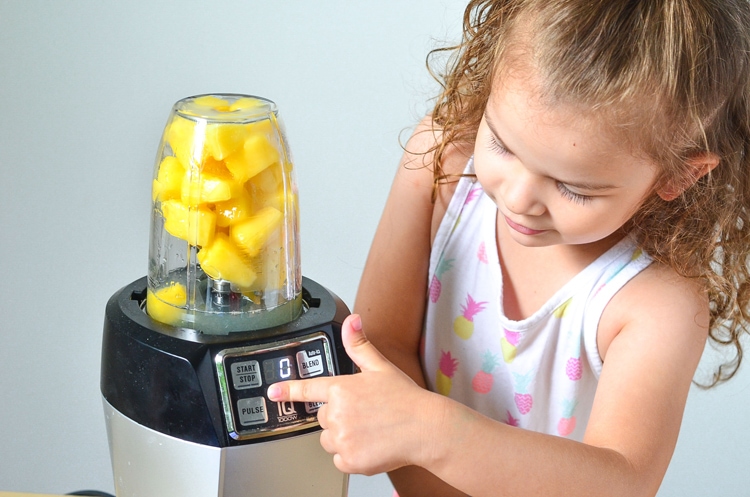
(522, 194)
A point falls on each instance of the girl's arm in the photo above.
(380, 420)
(392, 292)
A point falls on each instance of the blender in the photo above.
(189, 351)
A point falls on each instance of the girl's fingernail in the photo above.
(274, 392)
(356, 322)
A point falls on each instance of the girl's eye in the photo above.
(573, 196)
(497, 147)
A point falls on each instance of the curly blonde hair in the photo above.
(672, 77)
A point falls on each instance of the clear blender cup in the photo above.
(224, 246)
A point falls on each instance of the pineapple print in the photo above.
(483, 380)
(435, 285)
(567, 423)
(482, 253)
(562, 310)
(509, 344)
(463, 325)
(447, 368)
(524, 400)
(474, 193)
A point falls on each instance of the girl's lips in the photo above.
(522, 229)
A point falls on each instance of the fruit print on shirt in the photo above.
(447, 368)
(509, 344)
(524, 400)
(482, 253)
(436, 285)
(573, 366)
(567, 422)
(483, 380)
(463, 325)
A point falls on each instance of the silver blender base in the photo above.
(147, 463)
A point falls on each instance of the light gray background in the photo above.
(85, 89)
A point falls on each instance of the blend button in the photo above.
(310, 363)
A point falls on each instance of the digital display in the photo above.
(279, 369)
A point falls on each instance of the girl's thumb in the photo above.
(360, 350)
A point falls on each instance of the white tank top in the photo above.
(539, 373)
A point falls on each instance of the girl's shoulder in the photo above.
(658, 306)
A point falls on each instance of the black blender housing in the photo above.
(165, 378)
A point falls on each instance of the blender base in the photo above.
(148, 463)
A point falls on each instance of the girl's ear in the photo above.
(699, 165)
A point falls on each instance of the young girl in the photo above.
(565, 231)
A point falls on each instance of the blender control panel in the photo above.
(246, 372)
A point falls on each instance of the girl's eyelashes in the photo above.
(497, 147)
(572, 196)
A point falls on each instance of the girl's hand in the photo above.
(374, 421)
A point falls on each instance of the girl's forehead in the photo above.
(518, 109)
(619, 125)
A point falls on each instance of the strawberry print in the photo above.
(524, 400)
(574, 368)
(567, 422)
(511, 421)
(436, 286)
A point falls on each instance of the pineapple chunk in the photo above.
(270, 180)
(212, 102)
(256, 155)
(271, 268)
(166, 304)
(235, 209)
(181, 139)
(204, 187)
(251, 234)
(245, 103)
(196, 226)
(168, 183)
(223, 260)
(224, 139)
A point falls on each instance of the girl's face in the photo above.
(553, 173)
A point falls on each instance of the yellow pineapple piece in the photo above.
(223, 260)
(270, 180)
(167, 304)
(203, 187)
(251, 234)
(236, 209)
(271, 265)
(245, 103)
(168, 182)
(264, 127)
(181, 138)
(212, 102)
(256, 155)
(224, 139)
(196, 226)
